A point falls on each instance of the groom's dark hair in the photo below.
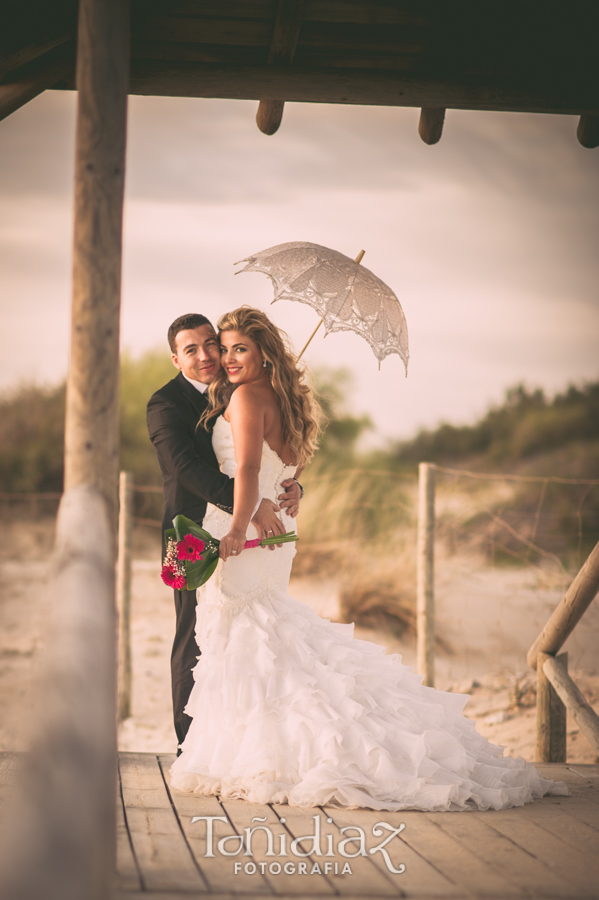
(184, 323)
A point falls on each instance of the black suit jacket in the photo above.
(185, 455)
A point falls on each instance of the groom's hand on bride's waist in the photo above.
(267, 523)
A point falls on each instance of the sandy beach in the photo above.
(487, 618)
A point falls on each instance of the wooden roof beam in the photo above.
(305, 84)
(430, 126)
(282, 50)
(16, 58)
(25, 83)
(588, 131)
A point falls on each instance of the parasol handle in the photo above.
(358, 259)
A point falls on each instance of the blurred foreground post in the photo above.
(57, 840)
(65, 828)
(425, 571)
(123, 594)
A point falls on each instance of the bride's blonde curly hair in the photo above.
(300, 413)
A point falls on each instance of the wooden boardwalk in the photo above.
(547, 849)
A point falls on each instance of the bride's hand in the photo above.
(232, 543)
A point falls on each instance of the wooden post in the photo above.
(91, 440)
(551, 716)
(123, 594)
(430, 126)
(425, 566)
(67, 832)
(569, 610)
(58, 838)
(583, 713)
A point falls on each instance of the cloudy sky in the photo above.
(489, 239)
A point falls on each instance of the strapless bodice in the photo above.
(272, 468)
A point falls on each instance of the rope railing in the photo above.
(532, 479)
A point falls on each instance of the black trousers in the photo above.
(183, 659)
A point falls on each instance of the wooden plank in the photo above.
(564, 825)
(126, 867)
(241, 813)
(204, 53)
(360, 86)
(586, 770)
(218, 871)
(216, 9)
(453, 859)
(237, 32)
(582, 782)
(164, 858)
(177, 895)
(185, 51)
(366, 879)
(142, 782)
(421, 878)
(572, 863)
(244, 32)
(163, 855)
(372, 12)
(513, 863)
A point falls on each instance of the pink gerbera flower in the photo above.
(172, 578)
(190, 548)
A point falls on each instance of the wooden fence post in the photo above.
(551, 716)
(425, 568)
(123, 594)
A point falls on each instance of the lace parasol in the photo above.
(347, 296)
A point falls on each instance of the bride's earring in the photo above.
(263, 363)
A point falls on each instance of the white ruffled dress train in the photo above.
(291, 708)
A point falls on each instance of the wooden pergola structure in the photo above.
(429, 54)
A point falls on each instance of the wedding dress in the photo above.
(291, 708)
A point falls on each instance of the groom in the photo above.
(191, 477)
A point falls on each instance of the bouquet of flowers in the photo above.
(192, 553)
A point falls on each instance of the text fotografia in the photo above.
(316, 844)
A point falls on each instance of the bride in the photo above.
(288, 707)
